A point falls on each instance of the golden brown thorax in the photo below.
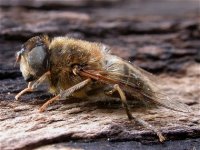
(64, 54)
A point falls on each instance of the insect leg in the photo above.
(64, 94)
(131, 117)
(40, 80)
(34, 85)
(149, 126)
(123, 99)
(111, 91)
(28, 89)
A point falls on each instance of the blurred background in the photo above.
(158, 35)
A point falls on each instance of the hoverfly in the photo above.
(82, 69)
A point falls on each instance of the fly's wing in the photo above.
(136, 81)
(170, 102)
(160, 96)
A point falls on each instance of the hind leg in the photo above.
(131, 117)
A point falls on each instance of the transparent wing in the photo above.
(139, 85)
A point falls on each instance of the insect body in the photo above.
(81, 69)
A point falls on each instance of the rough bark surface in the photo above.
(161, 39)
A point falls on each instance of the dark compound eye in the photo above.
(37, 60)
(36, 56)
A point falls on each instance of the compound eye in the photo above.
(36, 56)
(37, 60)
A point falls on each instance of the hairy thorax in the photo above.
(65, 53)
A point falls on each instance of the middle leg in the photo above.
(64, 94)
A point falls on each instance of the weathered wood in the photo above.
(22, 126)
(164, 42)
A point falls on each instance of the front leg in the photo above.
(65, 94)
(28, 89)
(32, 85)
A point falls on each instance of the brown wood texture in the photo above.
(161, 37)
